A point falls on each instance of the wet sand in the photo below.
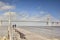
(33, 36)
(48, 32)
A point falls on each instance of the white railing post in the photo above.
(0, 23)
(9, 27)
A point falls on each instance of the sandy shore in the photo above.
(33, 36)
(30, 35)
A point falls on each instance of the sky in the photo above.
(31, 7)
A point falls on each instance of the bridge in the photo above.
(46, 27)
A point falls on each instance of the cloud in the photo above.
(2, 4)
(42, 12)
(12, 13)
(20, 16)
(5, 6)
(24, 14)
(14, 16)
